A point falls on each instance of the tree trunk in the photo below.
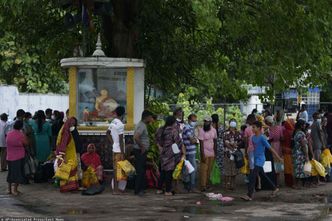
(121, 29)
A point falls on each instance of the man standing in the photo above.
(328, 115)
(48, 113)
(3, 123)
(317, 136)
(303, 114)
(115, 136)
(142, 144)
(190, 142)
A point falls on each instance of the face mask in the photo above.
(207, 127)
(178, 120)
(232, 124)
(53, 117)
(193, 124)
(72, 128)
(319, 120)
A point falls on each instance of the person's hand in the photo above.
(183, 156)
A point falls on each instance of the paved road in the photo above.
(44, 200)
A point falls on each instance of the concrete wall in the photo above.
(11, 100)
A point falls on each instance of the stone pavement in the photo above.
(44, 200)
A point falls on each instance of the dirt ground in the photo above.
(45, 201)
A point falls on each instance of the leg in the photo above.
(140, 171)
(9, 191)
(116, 157)
(210, 161)
(192, 160)
(161, 180)
(168, 180)
(203, 174)
(252, 181)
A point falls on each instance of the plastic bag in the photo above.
(126, 166)
(215, 174)
(307, 168)
(120, 174)
(189, 167)
(178, 169)
(245, 169)
(326, 158)
(319, 168)
(278, 167)
(63, 171)
(267, 167)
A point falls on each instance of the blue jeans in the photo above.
(192, 159)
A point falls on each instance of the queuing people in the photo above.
(116, 138)
(16, 142)
(3, 149)
(232, 141)
(170, 145)
(287, 148)
(208, 144)
(43, 133)
(66, 150)
(141, 147)
(220, 142)
(190, 141)
(317, 136)
(260, 144)
(300, 152)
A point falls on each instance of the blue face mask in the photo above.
(193, 124)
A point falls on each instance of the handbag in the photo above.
(239, 158)
(215, 176)
(178, 169)
(63, 171)
(30, 165)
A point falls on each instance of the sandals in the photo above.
(159, 192)
(246, 198)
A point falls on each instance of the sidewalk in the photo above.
(44, 200)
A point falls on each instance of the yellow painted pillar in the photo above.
(130, 98)
(72, 91)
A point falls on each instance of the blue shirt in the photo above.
(260, 143)
(188, 132)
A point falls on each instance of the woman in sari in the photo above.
(166, 137)
(66, 150)
(288, 130)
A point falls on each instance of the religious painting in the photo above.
(100, 91)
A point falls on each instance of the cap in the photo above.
(269, 119)
(208, 118)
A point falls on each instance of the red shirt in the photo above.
(91, 159)
(15, 141)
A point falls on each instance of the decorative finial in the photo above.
(98, 52)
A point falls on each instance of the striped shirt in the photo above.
(189, 132)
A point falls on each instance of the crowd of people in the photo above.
(285, 143)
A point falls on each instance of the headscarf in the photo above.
(65, 135)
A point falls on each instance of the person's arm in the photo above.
(201, 145)
(121, 143)
(137, 138)
(305, 147)
(109, 136)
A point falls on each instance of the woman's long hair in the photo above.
(298, 126)
(40, 118)
(169, 121)
(215, 120)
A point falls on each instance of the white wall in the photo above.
(11, 100)
(252, 103)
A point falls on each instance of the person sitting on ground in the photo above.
(92, 159)
(260, 143)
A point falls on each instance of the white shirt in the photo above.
(117, 128)
(304, 116)
(2, 134)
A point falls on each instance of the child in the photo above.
(260, 143)
(92, 159)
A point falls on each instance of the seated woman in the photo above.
(92, 159)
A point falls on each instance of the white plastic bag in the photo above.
(267, 167)
(189, 167)
(175, 148)
(307, 168)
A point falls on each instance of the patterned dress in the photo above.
(229, 165)
(299, 155)
(220, 149)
